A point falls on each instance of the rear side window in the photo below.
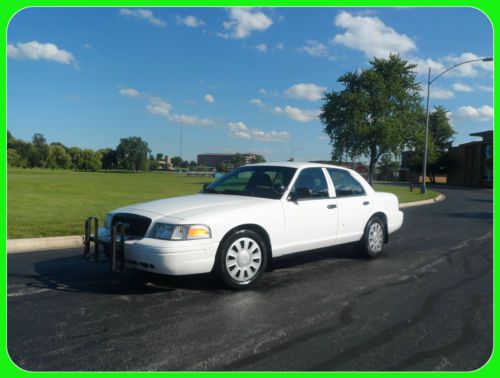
(345, 184)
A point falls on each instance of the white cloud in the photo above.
(483, 113)
(315, 48)
(143, 14)
(371, 36)
(440, 93)
(299, 115)
(306, 91)
(473, 69)
(261, 47)
(459, 87)
(158, 106)
(191, 120)
(484, 88)
(322, 138)
(257, 102)
(244, 21)
(35, 50)
(130, 92)
(424, 64)
(209, 98)
(190, 21)
(239, 130)
(87, 45)
(279, 46)
(470, 69)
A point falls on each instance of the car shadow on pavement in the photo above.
(74, 274)
(346, 251)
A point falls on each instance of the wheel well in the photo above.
(382, 216)
(259, 230)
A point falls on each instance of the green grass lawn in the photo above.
(43, 202)
(404, 194)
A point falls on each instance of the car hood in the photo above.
(193, 205)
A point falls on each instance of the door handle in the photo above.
(366, 203)
(332, 206)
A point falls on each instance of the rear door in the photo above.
(353, 203)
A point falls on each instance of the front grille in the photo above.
(136, 226)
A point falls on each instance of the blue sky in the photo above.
(235, 80)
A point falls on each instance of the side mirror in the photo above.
(300, 193)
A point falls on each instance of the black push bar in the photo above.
(117, 247)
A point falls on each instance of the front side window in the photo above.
(345, 184)
(257, 181)
(313, 180)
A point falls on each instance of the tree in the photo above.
(386, 166)
(159, 156)
(440, 140)
(192, 163)
(238, 160)
(132, 153)
(40, 151)
(76, 157)
(375, 112)
(14, 159)
(176, 161)
(58, 157)
(258, 159)
(108, 158)
(91, 160)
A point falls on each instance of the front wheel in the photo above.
(242, 258)
(373, 238)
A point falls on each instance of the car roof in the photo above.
(297, 164)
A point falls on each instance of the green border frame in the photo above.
(10, 7)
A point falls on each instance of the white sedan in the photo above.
(239, 222)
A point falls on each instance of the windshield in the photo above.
(254, 181)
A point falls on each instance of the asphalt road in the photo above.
(426, 304)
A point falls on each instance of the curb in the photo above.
(76, 241)
(439, 198)
(44, 244)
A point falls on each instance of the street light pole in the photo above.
(424, 166)
(423, 189)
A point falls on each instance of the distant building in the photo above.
(213, 160)
(165, 164)
(471, 164)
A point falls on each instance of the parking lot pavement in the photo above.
(426, 304)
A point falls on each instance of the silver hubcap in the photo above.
(243, 259)
(376, 237)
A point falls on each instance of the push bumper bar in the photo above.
(116, 243)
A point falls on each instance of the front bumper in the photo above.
(172, 257)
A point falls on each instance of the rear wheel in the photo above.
(242, 259)
(372, 242)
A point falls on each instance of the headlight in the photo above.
(180, 231)
(108, 220)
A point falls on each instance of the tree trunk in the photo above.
(371, 172)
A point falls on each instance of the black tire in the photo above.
(370, 245)
(225, 256)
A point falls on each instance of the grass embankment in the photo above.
(404, 194)
(43, 202)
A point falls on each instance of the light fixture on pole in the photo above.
(423, 189)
